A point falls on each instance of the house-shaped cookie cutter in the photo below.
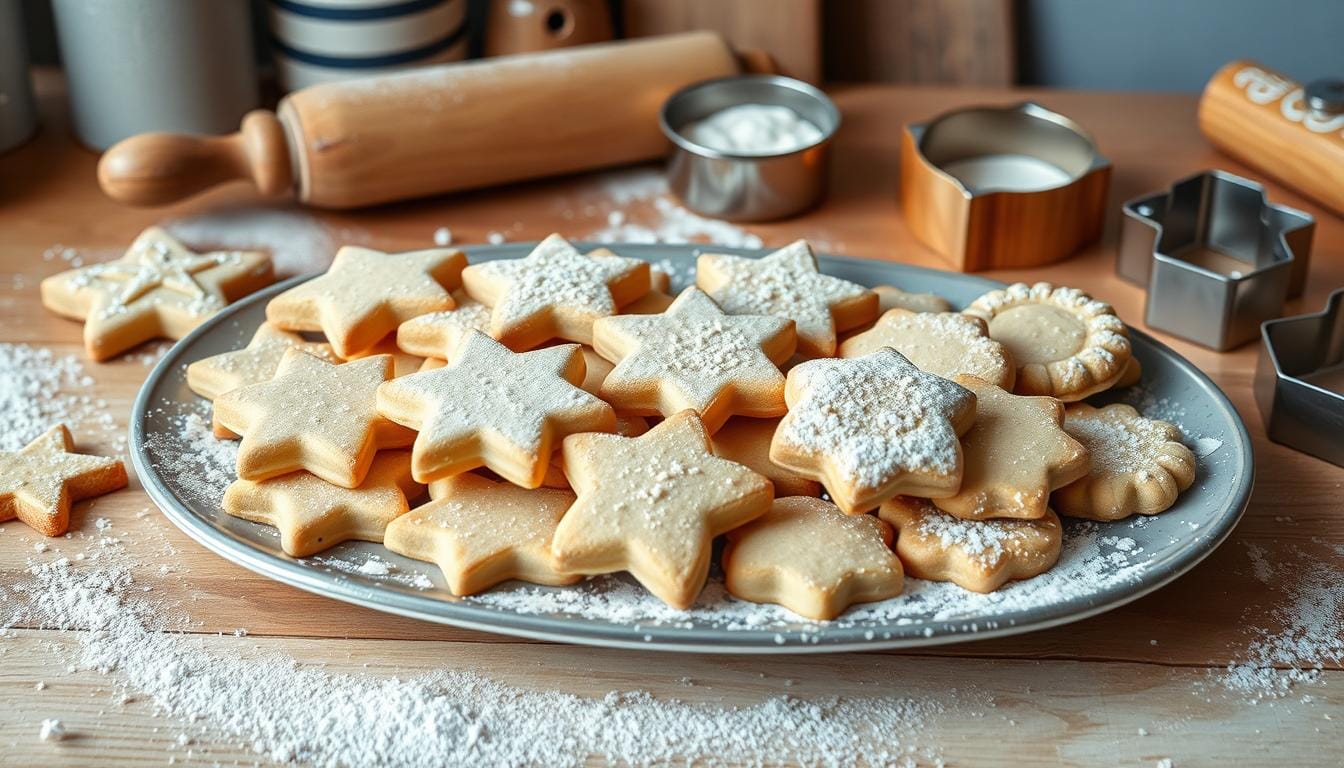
(1299, 381)
(1217, 257)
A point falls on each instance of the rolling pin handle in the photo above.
(161, 168)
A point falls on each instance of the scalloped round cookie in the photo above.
(942, 343)
(1139, 465)
(1065, 343)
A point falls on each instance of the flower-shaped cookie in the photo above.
(808, 556)
(1139, 465)
(1065, 343)
(872, 427)
(979, 555)
(942, 343)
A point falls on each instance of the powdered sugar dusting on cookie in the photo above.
(555, 273)
(1118, 446)
(985, 541)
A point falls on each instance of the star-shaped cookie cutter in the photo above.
(1299, 381)
(1188, 246)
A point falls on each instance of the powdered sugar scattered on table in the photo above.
(40, 388)
(297, 242)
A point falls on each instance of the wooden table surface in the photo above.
(1078, 694)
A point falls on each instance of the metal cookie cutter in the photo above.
(1217, 257)
(1299, 381)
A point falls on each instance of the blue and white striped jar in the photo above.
(321, 41)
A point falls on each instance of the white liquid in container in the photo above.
(753, 129)
(1006, 173)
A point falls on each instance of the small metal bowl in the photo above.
(742, 187)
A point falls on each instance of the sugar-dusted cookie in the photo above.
(942, 343)
(438, 334)
(1065, 343)
(366, 294)
(808, 556)
(747, 441)
(1139, 465)
(403, 363)
(979, 555)
(872, 427)
(890, 297)
(494, 408)
(694, 356)
(158, 289)
(481, 532)
(40, 481)
(652, 505)
(213, 376)
(787, 284)
(555, 291)
(313, 415)
(313, 515)
(626, 426)
(1015, 454)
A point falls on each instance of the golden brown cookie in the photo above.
(747, 441)
(494, 408)
(626, 426)
(979, 555)
(694, 356)
(312, 514)
(40, 481)
(872, 427)
(1139, 465)
(652, 505)
(213, 376)
(808, 556)
(788, 284)
(942, 343)
(481, 532)
(1015, 454)
(438, 334)
(314, 416)
(890, 297)
(403, 363)
(158, 289)
(1065, 343)
(554, 292)
(366, 294)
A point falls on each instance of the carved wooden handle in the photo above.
(161, 168)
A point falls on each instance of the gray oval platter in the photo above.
(1102, 566)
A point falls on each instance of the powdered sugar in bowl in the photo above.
(749, 147)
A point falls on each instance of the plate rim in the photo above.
(600, 633)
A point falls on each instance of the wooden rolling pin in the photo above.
(1292, 133)
(433, 130)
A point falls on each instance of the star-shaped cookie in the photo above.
(979, 555)
(652, 505)
(438, 334)
(787, 284)
(554, 292)
(481, 532)
(808, 556)
(1015, 455)
(872, 427)
(40, 481)
(747, 442)
(257, 362)
(313, 415)
(158, 289)
(943, 343)
(313, 515)
(366, 294)
(494, 408)
(695, 356)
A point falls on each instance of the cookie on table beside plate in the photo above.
(942, 343)
(1139, 465)
(1015, 454)
(788, 285)
(810, 557)
(554, 292)
(494, 408)
(40, 481)
(652, 505)
(695, 357)
(313, 515)
(1065, 344)
(366, 294)
(873, 427)
(979, 555)
(158, 289)
(481, 532)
